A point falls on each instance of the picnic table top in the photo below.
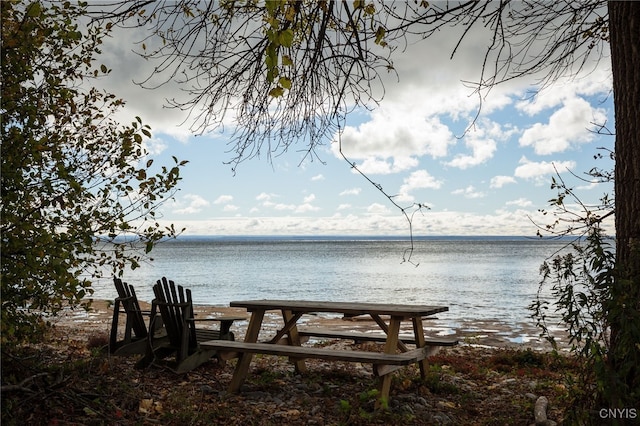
(349, 308)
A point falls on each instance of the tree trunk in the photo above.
(623, 313)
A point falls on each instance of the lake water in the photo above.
(493, 279)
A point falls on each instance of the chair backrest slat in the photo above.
(131, 306)
(192, 325)
(176, 309)
(160, 291)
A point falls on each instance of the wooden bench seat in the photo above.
(301, 352)
(373, 337)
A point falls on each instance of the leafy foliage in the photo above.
(583, 286)
(74, 181)
(283, 73)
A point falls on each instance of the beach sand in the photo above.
(477, 333)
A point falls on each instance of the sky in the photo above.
(491, 180)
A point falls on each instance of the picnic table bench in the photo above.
(359, 337)
(383, 362)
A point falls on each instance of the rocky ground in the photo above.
(70, 380)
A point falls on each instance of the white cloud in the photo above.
(306, 207)
(419, 179)
(567, 126)
(393, 138)
(588, 186)
(393, 132)
(598, 82)
(469, 192)
(281, 206)
(500, 181)
(223, 199)
(352, 191)
(263, 196)
(190, 204)
(155, 146)
(378, 209)
(377, 221)
(482, 142)
(230, 208)
(520, 202)
(378, 166)
(422, 113)
(483, 150)
(539, 170)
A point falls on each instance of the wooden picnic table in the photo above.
(293, 310)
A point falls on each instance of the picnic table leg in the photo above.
(389, 348)
(294, 339)
(244, 359)
(418, 331)
(385, 328)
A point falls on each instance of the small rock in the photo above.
(531, 396)
(259, 395)
(540, 410)
(441, 419)
(207, 389)
(446, 404)
(407, 409)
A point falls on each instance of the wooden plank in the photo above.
(244, 359)
(290, 320)
(418, 332)
(204, 334)
(348, 308)
(389, 347)
(294, 338)
(383, 325)
(373, 337)
(404, 358)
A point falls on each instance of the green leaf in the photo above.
(380, 33)
(276, 92)
(34, 10)
(286, 60)
(271, 6)
(285, 82)
(286, 37)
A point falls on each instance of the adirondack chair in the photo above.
(135, 328)
(173, 304)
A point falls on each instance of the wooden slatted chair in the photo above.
(135, 328)
(173, 304)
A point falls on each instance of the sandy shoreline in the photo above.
(98, 319)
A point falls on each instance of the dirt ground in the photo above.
(488, 379)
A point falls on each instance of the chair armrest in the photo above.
(218, 319)
(225, 323)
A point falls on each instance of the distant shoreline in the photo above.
(351, 238)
